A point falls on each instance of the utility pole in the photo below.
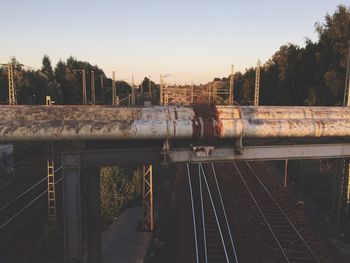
(161, 99)
(84, 88)
(214, 92)
(345, 180)
(257, 84)
(93, 87)
(209, 91)
(114, 90)
(148, 212)
(192, 87)
(149, 87)
(132, 92)
(12, 89)
(231, 99)
(83, 84)
(346, 101)
(102, 88)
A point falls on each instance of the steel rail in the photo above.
(202, 208)
(216, 216)
(261, 213)
(224, 210)
(193, 213)
(283, 213)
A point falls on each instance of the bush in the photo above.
(117, 190)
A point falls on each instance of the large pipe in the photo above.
(29, 113)
(198, 122)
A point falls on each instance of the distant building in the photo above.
(6, 159)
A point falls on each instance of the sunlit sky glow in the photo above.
(190, 40)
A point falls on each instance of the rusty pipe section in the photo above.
(197, 122)
(290, 112)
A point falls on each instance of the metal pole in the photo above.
(132, 92)
(346, 170)
(346, 101)
(83, 84)
(114, 91)
(215, 93)
(192, 93)
(209, 91)
(161, 101)
(93, 88)
(285, 173)
(150, 88)
(12, 89)
(230, 100)
(84, 88)
(102, 88)
(257, 84)
(148, 213)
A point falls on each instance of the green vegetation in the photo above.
(294, 75)
(118, 188)
(310, 75)
(63, 83)
(315, 178)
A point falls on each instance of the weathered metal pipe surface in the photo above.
(273, 112)
(68, 112)
(197, 122)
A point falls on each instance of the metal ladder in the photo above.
(51, 193)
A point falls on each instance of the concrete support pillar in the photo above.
(72, 207)
(94, 215)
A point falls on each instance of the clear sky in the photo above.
(189, 40)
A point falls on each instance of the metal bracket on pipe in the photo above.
(239, 142)
(164, 154)
(239, 145)
(202, 151)
(164, 160)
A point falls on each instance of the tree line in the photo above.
(63, 83)
(311, 75)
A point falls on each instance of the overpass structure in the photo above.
(196, 133)
(189, 133)
(197, 123)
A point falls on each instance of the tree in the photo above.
(334, 36)
(47, 68)
(117, 189)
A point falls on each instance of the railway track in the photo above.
(292, 245)
(211, 229)
(235, 218)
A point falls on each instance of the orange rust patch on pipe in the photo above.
(211, 122)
